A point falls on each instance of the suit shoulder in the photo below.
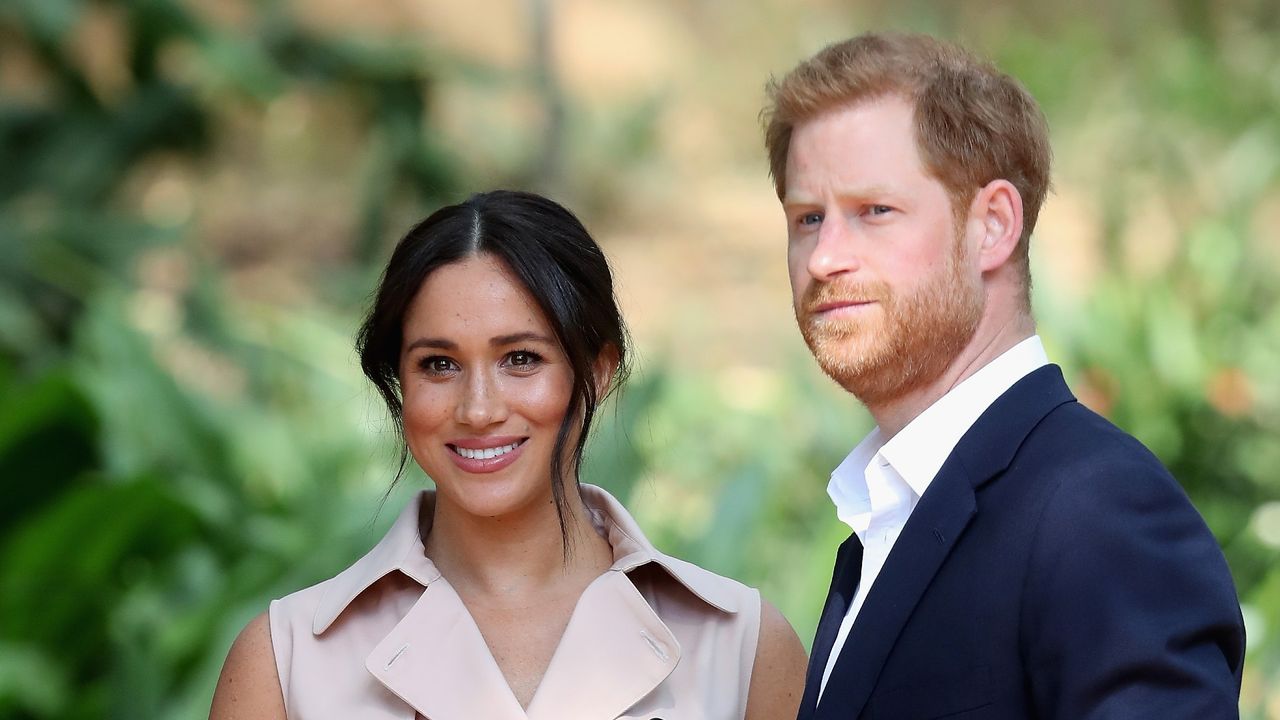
(1125, 583)
(1095, 481)
(1084, 452)
(1102, 488)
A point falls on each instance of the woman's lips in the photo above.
(487, 454)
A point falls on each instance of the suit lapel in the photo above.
(934, 528)
(930, 533)
(844, 582)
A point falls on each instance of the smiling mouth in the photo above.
(486, 453)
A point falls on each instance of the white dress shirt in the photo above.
(879, 483)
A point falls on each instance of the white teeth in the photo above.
(486, 453)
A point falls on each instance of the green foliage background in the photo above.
(176, 451)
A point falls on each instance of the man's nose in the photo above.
(835, 252)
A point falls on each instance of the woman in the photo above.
(511, 591)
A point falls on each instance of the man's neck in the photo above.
(989, 342)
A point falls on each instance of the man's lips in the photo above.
(834, 305)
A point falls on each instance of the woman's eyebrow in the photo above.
(520, 337)
(435, 343)
(499, 341)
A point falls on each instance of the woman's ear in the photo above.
(603, 369)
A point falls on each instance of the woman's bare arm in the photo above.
(777, 679)
(249, 687)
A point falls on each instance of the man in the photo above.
(1014, 555)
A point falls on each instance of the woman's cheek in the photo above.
(425, 412)
(535, 399)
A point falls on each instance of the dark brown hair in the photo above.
(558, 263)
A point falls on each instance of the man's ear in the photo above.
(995, 215)
(602, 370)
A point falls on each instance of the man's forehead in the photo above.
(858, 144)
(878, 113)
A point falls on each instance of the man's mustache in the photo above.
(820, 294)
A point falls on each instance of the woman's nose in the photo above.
(481, 403)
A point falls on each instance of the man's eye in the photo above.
(809, 219)
(879, 210)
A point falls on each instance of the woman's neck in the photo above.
(519, 555)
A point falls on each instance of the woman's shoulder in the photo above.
(634, 554)
(249, 686)
(721, 591)
(299, 608)
(396, 563)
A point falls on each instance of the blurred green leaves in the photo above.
(170, 457)
(175, 453)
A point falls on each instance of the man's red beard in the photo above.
(900, 342)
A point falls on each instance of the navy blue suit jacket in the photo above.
(1053, 569)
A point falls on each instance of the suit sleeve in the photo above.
(1129, 610)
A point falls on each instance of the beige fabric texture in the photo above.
(652, 637)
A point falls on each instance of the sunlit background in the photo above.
(196, 197)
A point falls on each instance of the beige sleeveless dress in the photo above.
(652, 637)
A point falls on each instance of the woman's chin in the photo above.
(494, 498)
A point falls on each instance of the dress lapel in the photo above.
(935, 526)
(614, 652)
(436, 660)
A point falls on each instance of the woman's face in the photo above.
(485, 388)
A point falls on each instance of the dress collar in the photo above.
(401, 549)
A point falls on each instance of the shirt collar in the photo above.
(401, 549)
(848, 486)
(918, 451)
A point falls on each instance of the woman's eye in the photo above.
(523, 358)
(437, 365)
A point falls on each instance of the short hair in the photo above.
(973, 123)
(552, 256)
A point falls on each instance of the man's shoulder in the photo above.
(1091, 474)
(1073, 440)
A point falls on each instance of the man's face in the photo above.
(885, 290)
